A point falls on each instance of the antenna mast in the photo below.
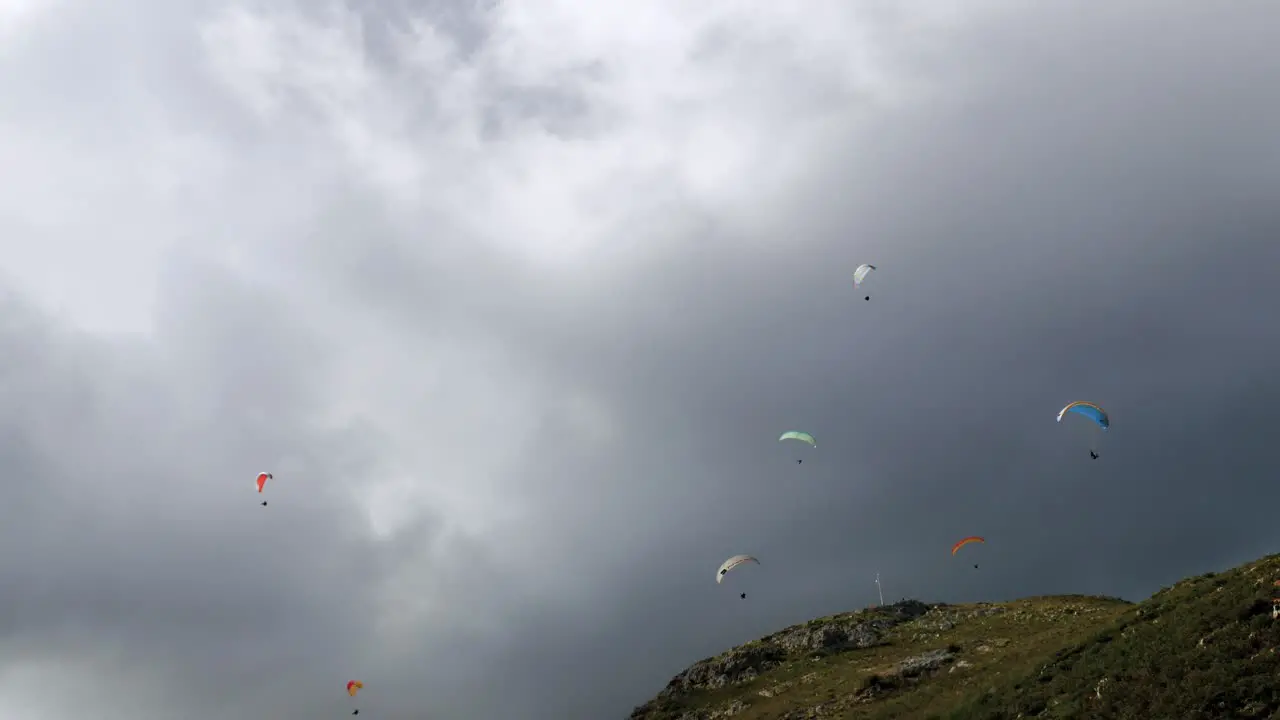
(878, 589)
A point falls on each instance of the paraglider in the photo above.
(353, 687)
(803, 437)
(965, 541)
(732, 563)
(261, 482)
(1095, 414)
(860, 276)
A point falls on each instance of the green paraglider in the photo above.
(799, 436)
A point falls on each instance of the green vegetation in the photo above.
(1204, 648)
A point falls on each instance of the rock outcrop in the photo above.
(835, 634)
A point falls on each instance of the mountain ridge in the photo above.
(1204, 647)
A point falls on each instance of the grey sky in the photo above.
(514, 301)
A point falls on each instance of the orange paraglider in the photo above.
(353, 687)
(971, 539)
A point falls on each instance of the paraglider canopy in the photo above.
(1100, 422)
(803, 437)
(798, 436)
(262, 480)
(353, 687)
(732, 563)
(860, 276)
(1088, 410)
(971, 539)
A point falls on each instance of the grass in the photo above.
(1203, 648)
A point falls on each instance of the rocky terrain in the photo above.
(1203, 648)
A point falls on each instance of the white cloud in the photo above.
(15, 14)
(569, 120)
(572, 142)
(669, 108)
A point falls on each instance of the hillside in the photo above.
(1204, 648)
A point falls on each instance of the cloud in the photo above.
(514, 302)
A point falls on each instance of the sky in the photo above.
(514, 300)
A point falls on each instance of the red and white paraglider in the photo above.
(261, 482)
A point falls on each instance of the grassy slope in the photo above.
(1204, 648)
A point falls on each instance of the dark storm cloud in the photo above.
(1087, 216)
(1080, 210)
(126, 531)
(130, 527)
